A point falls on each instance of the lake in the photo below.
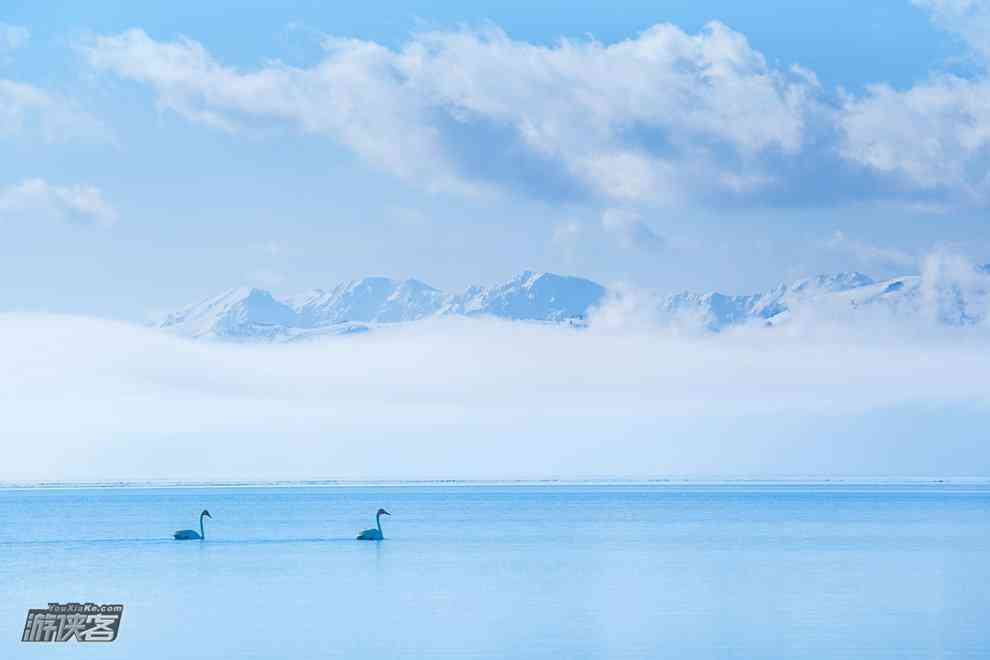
(732, 570)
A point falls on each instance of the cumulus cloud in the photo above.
(27, 111)
(475, 109)
(84, 398)
(37, 199)
(934, 137)
(630, 230)
(970, 19)
(663, 117)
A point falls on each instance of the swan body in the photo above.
(187, 535)
(368, 535)
(192, 534)
(374, 534)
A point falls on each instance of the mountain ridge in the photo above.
(246, 313)
(252, 314)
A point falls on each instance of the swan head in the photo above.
(205, 513)
(383, 512)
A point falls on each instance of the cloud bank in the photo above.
(91, 399)
(663, 117)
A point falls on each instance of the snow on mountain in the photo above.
(898, 298)
(945, 301)
(717, 311)
(530, 296)
(241, 313)
(946, 295)
(901, 296)
(245, 314)
(369, 300)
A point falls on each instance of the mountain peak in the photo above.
(531, 296)
(414, 284)
(831, 282)
(528, 277)
(235, 313)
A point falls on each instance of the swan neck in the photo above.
(378, 521)
(202, 531)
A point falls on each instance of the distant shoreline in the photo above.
(502, 483)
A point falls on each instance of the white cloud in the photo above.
(37, 199)
(475, 109)
(664, 117)
(12, 37)
(970, 19)
(630, 230)
(934, 137)
(949, 282)
(475, 399)
(26, 110)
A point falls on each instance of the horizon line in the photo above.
(838, 480)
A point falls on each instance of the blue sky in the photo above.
(156, 155)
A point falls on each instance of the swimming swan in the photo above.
(374, 534)
(190, 534)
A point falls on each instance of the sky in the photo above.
(156, 156)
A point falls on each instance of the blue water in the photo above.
(696, 571)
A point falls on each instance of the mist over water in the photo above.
(87, 399)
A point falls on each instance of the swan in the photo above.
(190, 534)
(374, 534)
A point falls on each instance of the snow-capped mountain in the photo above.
(369, 300)
(246, 314)
(241, 313)
(252, 314)
(717, 311)
(530, 297)
(903, 299)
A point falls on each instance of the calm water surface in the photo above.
(509, 572)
